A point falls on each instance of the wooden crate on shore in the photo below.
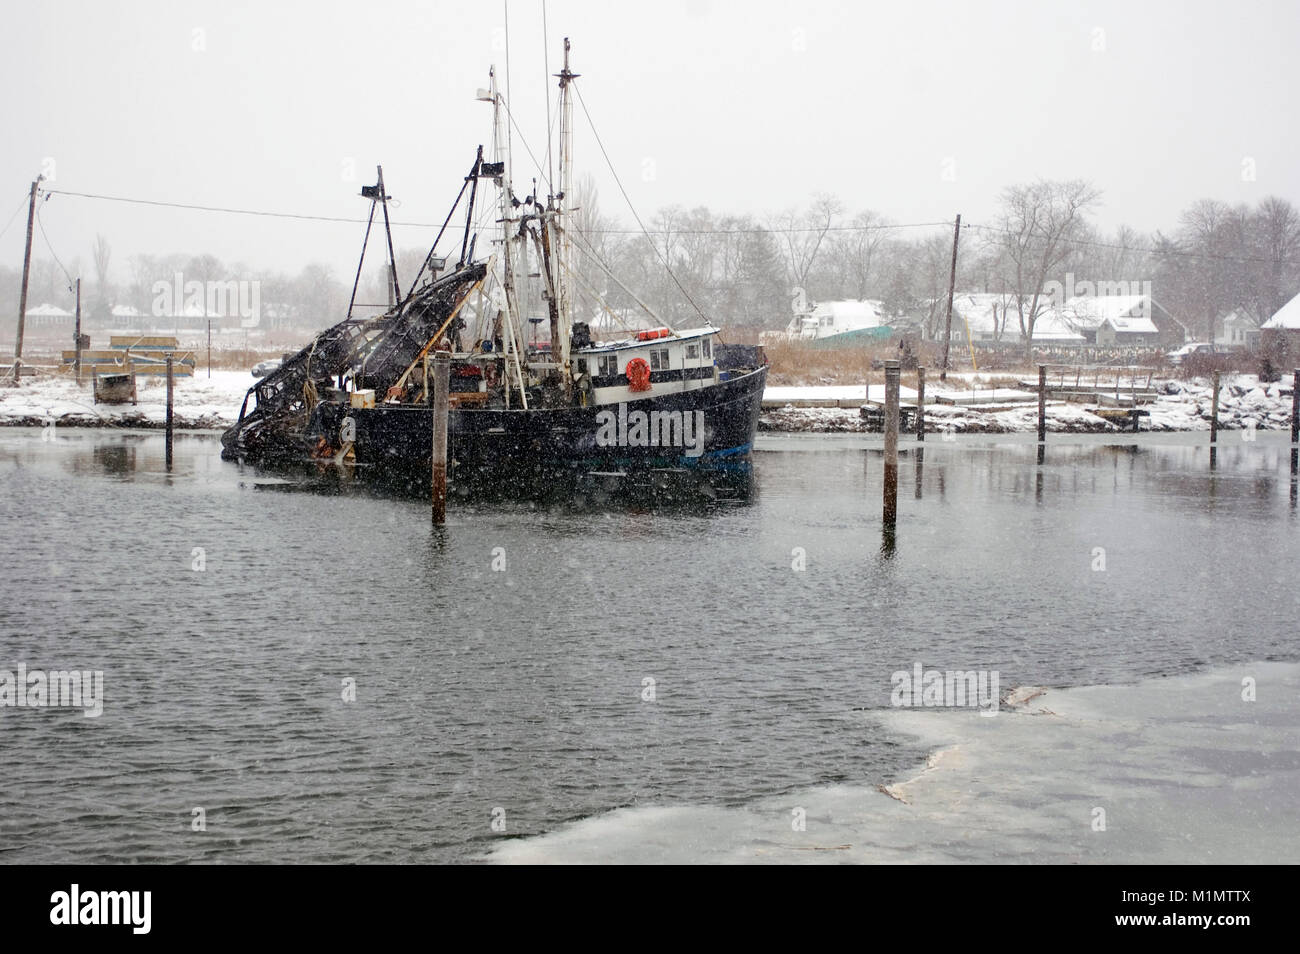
(114, 388)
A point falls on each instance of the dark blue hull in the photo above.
(707, 429)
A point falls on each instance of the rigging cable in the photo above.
(232, 211)
(510, 159)
(546, 85)
(619, 183)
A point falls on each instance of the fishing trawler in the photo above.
(651, 400)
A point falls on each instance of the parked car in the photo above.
(263, 368)
(1196, 347)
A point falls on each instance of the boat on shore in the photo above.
(656, 400)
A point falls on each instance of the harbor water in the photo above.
(303, 669)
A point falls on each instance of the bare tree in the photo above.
(1275, 241)
(852, 253)
(1035, 233)
(803, 234)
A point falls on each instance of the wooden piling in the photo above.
(1214, 420)
(438, 470)
(1295, 407)
(891, 444)
(920, 403)
(1295, 429)
(169, 410)
(1042, 403)
(1042, 412)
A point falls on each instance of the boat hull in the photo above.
(707, 429)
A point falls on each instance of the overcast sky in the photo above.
(918, 110)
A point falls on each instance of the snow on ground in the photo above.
(201, 402)
(1180, 406)
(197, 402)
(851, 392)
(1175, 770)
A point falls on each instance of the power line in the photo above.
(231, 211)
(774, 230)
(1147, 251)
(14, 216)
(41, 223)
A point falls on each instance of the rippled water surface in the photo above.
(523, 691)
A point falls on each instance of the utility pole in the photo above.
(952, 283)
(27, 266)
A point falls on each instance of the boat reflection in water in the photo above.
(668, 489)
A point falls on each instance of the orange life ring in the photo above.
(638, 375)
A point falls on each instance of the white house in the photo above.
(1112, 320)
(48, 316)
(1237, 330)
(989, 317)
(1279, 337)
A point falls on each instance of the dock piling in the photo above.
(1214, 421)
(891, 445)
(920, 403)
(440, 402)
(169, 411)
(1042, 411)
(1295, 427)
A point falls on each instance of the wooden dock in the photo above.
(1112, 386)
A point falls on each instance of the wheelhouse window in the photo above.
(707, 345)
(607, 364)
(693, 352)
(659, 359)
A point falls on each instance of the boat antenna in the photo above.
(472, 178)
(564, 247)
(428, 259)
(394, 291)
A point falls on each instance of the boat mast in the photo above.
(508, 234)
(563, 248)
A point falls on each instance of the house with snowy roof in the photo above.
(1237, 330)
(1121, 321)
(48, 315)
(1279, 337)
(990, 318)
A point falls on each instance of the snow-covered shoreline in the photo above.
(203, 403)
(198, 403)
(1180, 406)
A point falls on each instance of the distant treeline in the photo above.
(740, 270)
